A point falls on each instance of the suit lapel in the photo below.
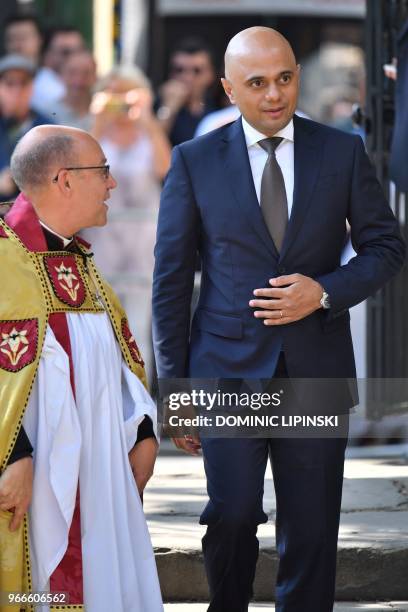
(238, 170)
(307, 155)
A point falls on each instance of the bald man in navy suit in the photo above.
(265, 201)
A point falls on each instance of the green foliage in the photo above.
(77, 13)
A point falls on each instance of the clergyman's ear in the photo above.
(63, 182)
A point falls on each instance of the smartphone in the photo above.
(118, 105)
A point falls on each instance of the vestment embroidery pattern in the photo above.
(18, 344)
(66, 280)
(131, 342)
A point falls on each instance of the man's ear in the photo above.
(228, 89)
(64, 183)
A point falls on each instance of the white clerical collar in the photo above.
(65, 241)
(252, 136)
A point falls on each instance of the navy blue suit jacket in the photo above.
(209, 205)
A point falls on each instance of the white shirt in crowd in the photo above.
(48, 89)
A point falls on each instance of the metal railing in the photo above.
(387, 314)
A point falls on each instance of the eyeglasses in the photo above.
(105, 168)
(178, 69)
(65, 51)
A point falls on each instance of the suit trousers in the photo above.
(308, 479)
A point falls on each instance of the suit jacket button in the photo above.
(282, 270)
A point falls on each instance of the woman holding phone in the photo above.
(138, 152)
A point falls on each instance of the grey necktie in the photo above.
(274, 204)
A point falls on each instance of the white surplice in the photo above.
(88, 439)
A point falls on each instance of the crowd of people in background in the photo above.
(51, 77)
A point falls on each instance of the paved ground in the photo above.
(373, 541)
(340, 607)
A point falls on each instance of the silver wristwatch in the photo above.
(325, 300)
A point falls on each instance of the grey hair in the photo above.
(32, 166)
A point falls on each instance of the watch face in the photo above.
(325, 301)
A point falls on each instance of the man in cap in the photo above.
(16, 113)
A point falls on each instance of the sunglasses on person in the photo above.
(66, 51)
(178, 69)
(105, 170)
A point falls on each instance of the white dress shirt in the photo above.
(48, 89)
(284, 156)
